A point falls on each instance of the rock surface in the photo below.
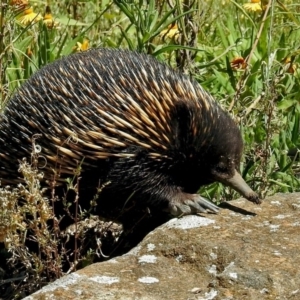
(244, 252)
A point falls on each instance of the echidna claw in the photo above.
(195, 206)
(186, 204)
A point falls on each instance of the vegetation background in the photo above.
(245, 53)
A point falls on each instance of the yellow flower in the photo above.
(29, 16)
(82, 46)
(171, 32)
(254, 6)
(48, 19)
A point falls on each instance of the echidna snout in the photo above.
(237, 183)
(148, 130)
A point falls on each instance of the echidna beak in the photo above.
(238, 183)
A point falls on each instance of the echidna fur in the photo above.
(128, 120)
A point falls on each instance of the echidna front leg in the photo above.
(184, 204)
(137, 179)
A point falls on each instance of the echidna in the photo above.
(146, 129)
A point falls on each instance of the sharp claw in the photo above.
(203, 202)
(184, 209)
(193, 204)
(180, 209)
(196, 207)
(173, 210)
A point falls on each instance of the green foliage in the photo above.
(261, 91)
(248, 60)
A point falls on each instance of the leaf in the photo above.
(286, 104)
(70, 22)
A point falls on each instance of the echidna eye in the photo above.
(221, 168)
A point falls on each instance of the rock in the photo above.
(244, 252)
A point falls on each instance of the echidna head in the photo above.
(225, 167)
(207, 141)
(224, 155)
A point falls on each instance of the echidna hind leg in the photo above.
(185, 204)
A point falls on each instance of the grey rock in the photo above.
(244, 252)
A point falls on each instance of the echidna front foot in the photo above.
(185, 204)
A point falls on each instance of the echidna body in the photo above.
(128, 120)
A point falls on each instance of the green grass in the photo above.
(262, 95)
(200, 38)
